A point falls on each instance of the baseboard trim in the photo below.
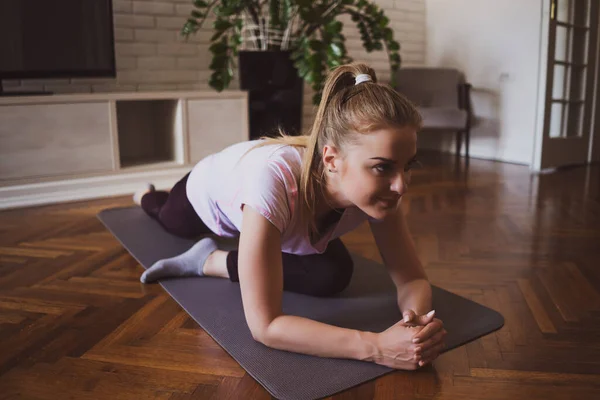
(35, 194)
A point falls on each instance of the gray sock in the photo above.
(189, 263)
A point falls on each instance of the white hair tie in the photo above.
(360, 78)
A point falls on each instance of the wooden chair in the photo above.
(442, 96)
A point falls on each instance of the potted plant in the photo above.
(308, 29)
(305, 34)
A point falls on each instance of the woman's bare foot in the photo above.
(137, 196)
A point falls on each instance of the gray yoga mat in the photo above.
(367, 304)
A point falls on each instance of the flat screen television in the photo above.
(56, 39)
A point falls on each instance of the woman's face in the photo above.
(373, 173)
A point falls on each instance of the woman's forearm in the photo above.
(306, 336)
(415, 295)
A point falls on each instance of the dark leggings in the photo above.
(317, 274)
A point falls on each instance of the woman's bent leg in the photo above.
(174, 211)
(316, 275)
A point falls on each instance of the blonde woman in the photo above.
(289, 199)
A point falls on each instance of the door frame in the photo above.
(545, 151)
(594, 153)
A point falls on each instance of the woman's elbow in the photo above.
(261, 334)
(258, 335)
(269, 333)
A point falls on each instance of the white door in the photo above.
(570, 37)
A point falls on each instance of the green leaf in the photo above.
(221, 24)
(191, 26)
(216, 82)
(317, 98)
(286, 12)
(316, 45)
(219, 62)
(383, 22)
(332, 63)
(274, 13)
(200, 3)
(236, 39)
(197, 14)
(218, 47)
(227, 76)
(336, 49)
(333, 28)
(303, 71)
(388, 34)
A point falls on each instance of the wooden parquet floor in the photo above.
(76, 323)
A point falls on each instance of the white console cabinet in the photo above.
(79, 146)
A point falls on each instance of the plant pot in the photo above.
(274, 92)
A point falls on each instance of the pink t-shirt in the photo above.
(266, 179)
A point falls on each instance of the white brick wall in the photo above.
(151, 54)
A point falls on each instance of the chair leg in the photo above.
(458, 144)
(467, 138)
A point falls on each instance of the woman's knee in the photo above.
(334, 276)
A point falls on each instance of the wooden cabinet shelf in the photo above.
(50, 143)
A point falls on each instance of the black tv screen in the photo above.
(56, 38)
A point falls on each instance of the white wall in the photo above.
(496, 44)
